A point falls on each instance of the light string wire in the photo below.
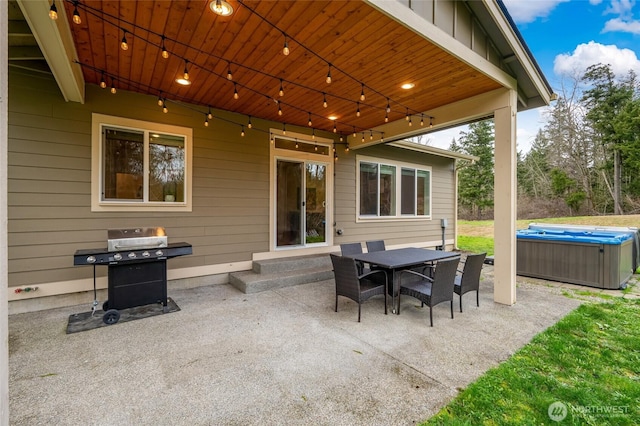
(162, 46)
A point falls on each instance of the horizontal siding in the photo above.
(49, 186)
(394, 231)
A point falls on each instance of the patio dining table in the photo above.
(400, 259)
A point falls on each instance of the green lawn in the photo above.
(589, 362)
(587, 365)
(476, 244)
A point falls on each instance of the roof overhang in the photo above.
(379, 43)
(426, 149)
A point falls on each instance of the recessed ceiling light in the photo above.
(408, 86)
(182, 81)
(332, 117)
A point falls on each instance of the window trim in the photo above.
(399, 165)
(99, 205)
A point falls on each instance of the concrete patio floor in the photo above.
(272, 358)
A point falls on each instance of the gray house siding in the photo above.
(49, 185)
(395, 231)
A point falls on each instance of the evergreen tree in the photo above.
(475, 186)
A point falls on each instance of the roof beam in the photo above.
(56, 44)
(446, 116)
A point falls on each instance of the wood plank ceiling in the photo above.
(367, 51)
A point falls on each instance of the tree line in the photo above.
(585, 160)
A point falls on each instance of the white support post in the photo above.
(505, 201)
(4, 280)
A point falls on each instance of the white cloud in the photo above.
(619, 25)
(620, 7)
(585, 55)
(528, 11)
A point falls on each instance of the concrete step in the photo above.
(252, 282)
(274, 266)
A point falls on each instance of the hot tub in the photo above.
(591, 258)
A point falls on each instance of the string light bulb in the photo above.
(186, 71)
(209, 115)
(103, 84)
(165, 53)
(285, 49)
(53, 11)
(284, 129)
(362, 137)
(160, 100)
(76, 14)
(430, 122)
(235, 91)
(358, 110)
(362, 98)
(388, 106)
(206, 122)
(335, 129)
(422, 120)
(386, 118)
(249, 125)
(125, 46)
(324, 100)
(242, 132)
(371, 135)
(164, 107)
(229, 75)
(113, 86)
(354, 131)
(346, 148)
(410, 123)
(279, 109)
(281, 91)
(328, 79)
(310, 123)
(406, 117)
(313, 136)
(297, 144)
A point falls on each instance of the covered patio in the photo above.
(271, 358)
(340, 78)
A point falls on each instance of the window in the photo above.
(140, 166)
(382, 195)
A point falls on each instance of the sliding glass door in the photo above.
(301, 203)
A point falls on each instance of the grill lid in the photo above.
(136, 238)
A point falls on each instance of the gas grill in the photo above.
(137, 268)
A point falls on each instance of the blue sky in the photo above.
(565, 37)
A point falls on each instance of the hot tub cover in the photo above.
(588, 237)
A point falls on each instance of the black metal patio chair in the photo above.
(431, 291)
(469, 280)
(355, 286)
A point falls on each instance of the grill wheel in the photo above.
(111, 317)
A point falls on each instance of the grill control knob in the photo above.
(91, 259)
(159, 253)
(145, 254)
(117, 256)
(132, 255)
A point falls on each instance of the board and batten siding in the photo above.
(49, 186)
(422, 232)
